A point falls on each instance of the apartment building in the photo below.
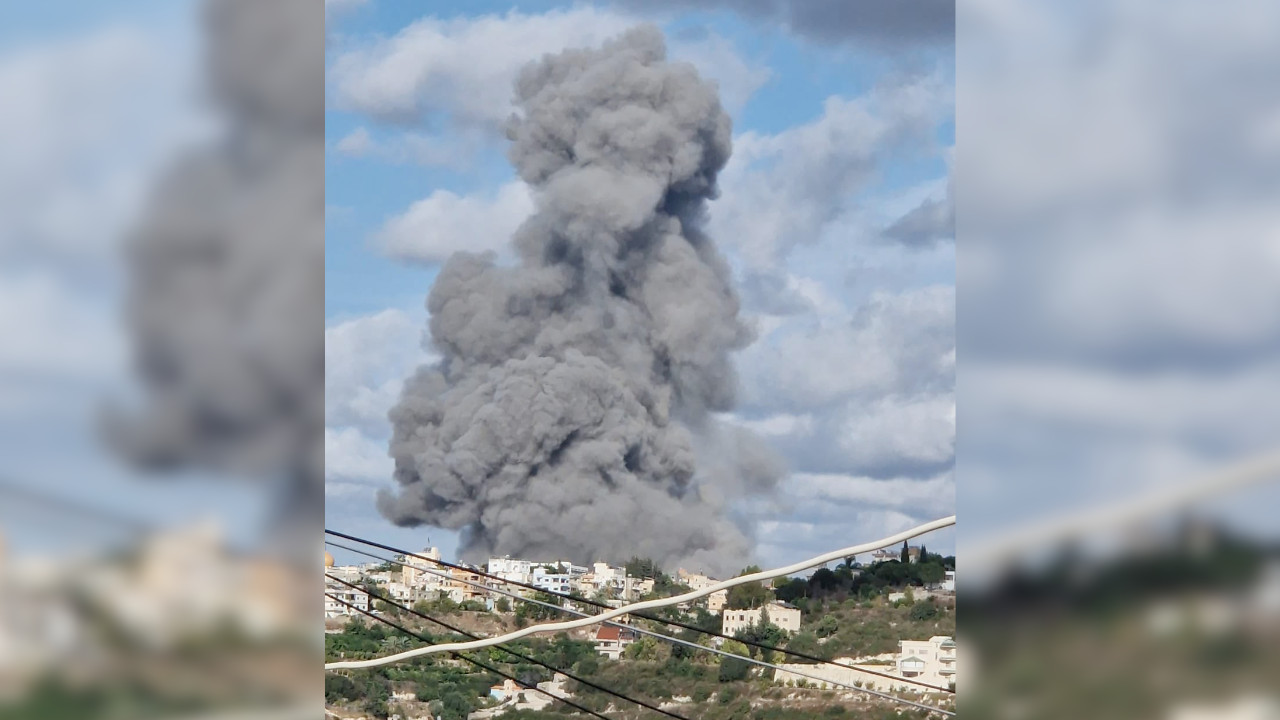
(932, 661)
(412, 572)
(780, 614)
(695, 581)
(612, 640)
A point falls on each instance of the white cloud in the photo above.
(895, 344)
(366, 360)
(789, 188)
(465, 68)
(718, 60)
(356, 143)
(894, 431)
(462, 67)
(349, 456)
(867, 392)
(443, 223)
(87, 122)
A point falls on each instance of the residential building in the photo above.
(554, 582)
(887, 554)
(350, 573)
(780, 614)
(520, 571)
(695, 581)
(465, 584)
(507, 690)
(612, 640)
(638, 588)
(411, 573)
(716, 601)
(949, 581)
(931, 661)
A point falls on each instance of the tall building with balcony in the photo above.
(932, 661)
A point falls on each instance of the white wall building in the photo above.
(695, 581)
(510, 569)
(932, 661)
(333, 608)
(552, 582)
(784, 616)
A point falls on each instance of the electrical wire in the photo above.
(511, 652)
(517, 596)
(661, 602)
(469, 659)
(687, 643)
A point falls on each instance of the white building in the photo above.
(612, 640)
(695, 581)
(510, 570)
(334, 608)
(784, 616)
(554, 582)
(412, 572)
(931, 661)
(716, 601)
(949, 581)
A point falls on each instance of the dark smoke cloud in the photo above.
(226, 271)
(571, 413)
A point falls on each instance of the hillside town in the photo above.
(912, 620)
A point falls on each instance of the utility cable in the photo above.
(661, 636)
(509, 651)
(687, 643)
(469, 659)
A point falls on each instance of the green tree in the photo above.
(749, 595)
(827, 626)
(931, 573)
(643, 568)
(733, 669)
(805, 642)
(927, 610)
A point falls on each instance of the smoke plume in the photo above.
(572, 412)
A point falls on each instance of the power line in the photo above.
(681, 641)
(511, 652)
(686, 626)
(662, 602)
(763, 663)
(469, 659)
(592, 620)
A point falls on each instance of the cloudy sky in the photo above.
(835, 212)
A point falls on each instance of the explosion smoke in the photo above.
(571, 414)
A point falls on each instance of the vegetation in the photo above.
(844, 613)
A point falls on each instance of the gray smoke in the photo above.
(226, 272)
(571, 414)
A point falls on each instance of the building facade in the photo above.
(932, 661)
(784, 616)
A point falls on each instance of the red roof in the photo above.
(615, 633)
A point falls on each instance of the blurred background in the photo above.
(161, 230)
(161, 244)
(1119, 333)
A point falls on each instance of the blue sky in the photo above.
(836, 141)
